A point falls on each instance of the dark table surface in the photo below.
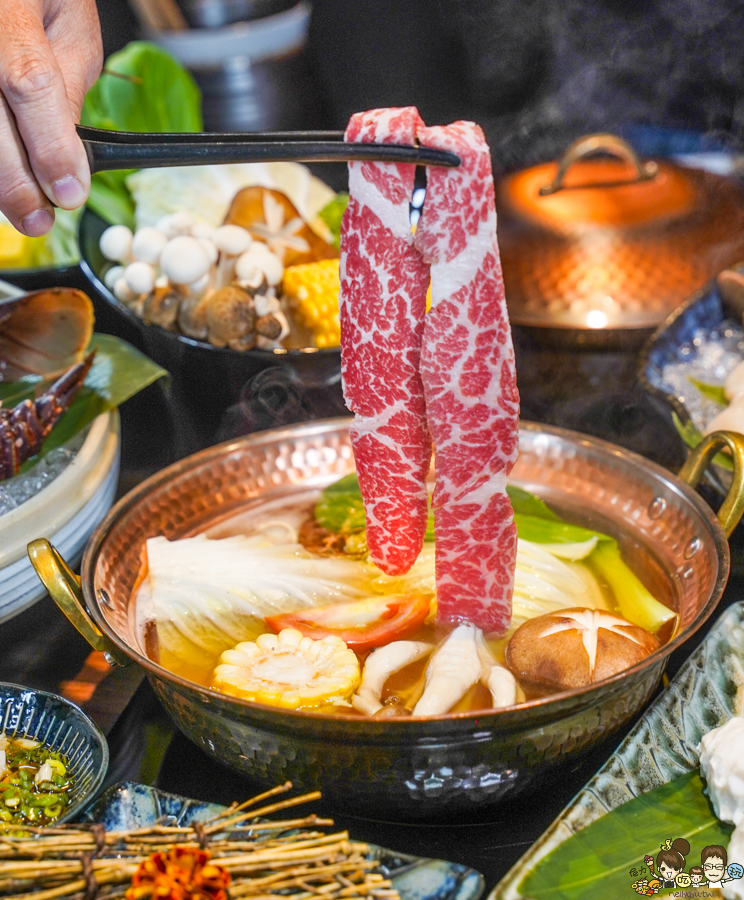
(591, 391)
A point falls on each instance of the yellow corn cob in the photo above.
(312, 290)
(289, 670)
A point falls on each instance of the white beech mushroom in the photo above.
(380, 665)
(112, 276)
(140, 276)
(184, 260)
(258, 256)
(231, 241)
(116, 243)
(452, 671)
(148, 244)
(123, 292)
(177, 223)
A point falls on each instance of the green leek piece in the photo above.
(713, 392)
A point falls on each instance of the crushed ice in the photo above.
(15, 491)
(709, 357)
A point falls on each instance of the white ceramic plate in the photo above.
(66, 511)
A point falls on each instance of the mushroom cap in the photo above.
(571, 648)
(230, 315)
(116, 243)
(123, 292)
(112, 276)
(210, 249)
(147, 245)
(232, 239)
(176, 223)
(203, 230)
(140, 276)
(200, 285)
(184, 260)
(258, 256)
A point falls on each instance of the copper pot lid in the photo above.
(612, 243)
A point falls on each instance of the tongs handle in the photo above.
(129, 150)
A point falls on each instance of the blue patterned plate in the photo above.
(129, 805)
(706, 692)
(670, 344)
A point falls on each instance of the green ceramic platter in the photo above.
(706, 692)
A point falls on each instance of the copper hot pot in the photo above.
(612, 243)
(419, 767)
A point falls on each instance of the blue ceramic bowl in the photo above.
(61, 726)
(669, 344)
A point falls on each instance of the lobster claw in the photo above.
(24, 428)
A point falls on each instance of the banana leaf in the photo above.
(600, 860)
(118, 373)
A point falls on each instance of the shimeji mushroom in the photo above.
(112, 276)
(231, 241)
(140, 276)
(177, 223)
(116, 243)
(258, 256)
(123, 292)
(148, 244)
(184, 260)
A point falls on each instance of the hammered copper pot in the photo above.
(405, 768)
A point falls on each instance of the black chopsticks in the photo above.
(129, 150)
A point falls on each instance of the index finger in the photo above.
(33, 86)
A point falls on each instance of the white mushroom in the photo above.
(147, 245)
(210, 248)
(123, 292)
(112, 276)
(184, 260)
(140, 277)
(734, 383)
(380, 665)
(452, 671)
(258, 256)
(729, 419)
(200, 285)
(162, 281)
(176, 223)
(116, 243)
(498, 679)
(264, 343)
(232, 239)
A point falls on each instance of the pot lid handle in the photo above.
(600, 143)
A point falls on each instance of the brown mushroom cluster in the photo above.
(223, 284)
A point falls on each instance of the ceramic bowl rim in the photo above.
(100, 775)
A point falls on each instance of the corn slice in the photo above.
(289, 671)
(312, 290)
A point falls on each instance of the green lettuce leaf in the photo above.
(144, 89)
(340, 508)
(118, 373)
(597, 861)
(332, 213)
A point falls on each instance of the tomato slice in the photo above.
(363, 624)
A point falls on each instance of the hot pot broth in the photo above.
(181, 649)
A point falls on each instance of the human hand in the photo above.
(50, 54)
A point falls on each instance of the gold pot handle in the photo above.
(697, 462)
(605, 143)
(64, 588)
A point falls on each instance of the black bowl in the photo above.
(206, 380)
